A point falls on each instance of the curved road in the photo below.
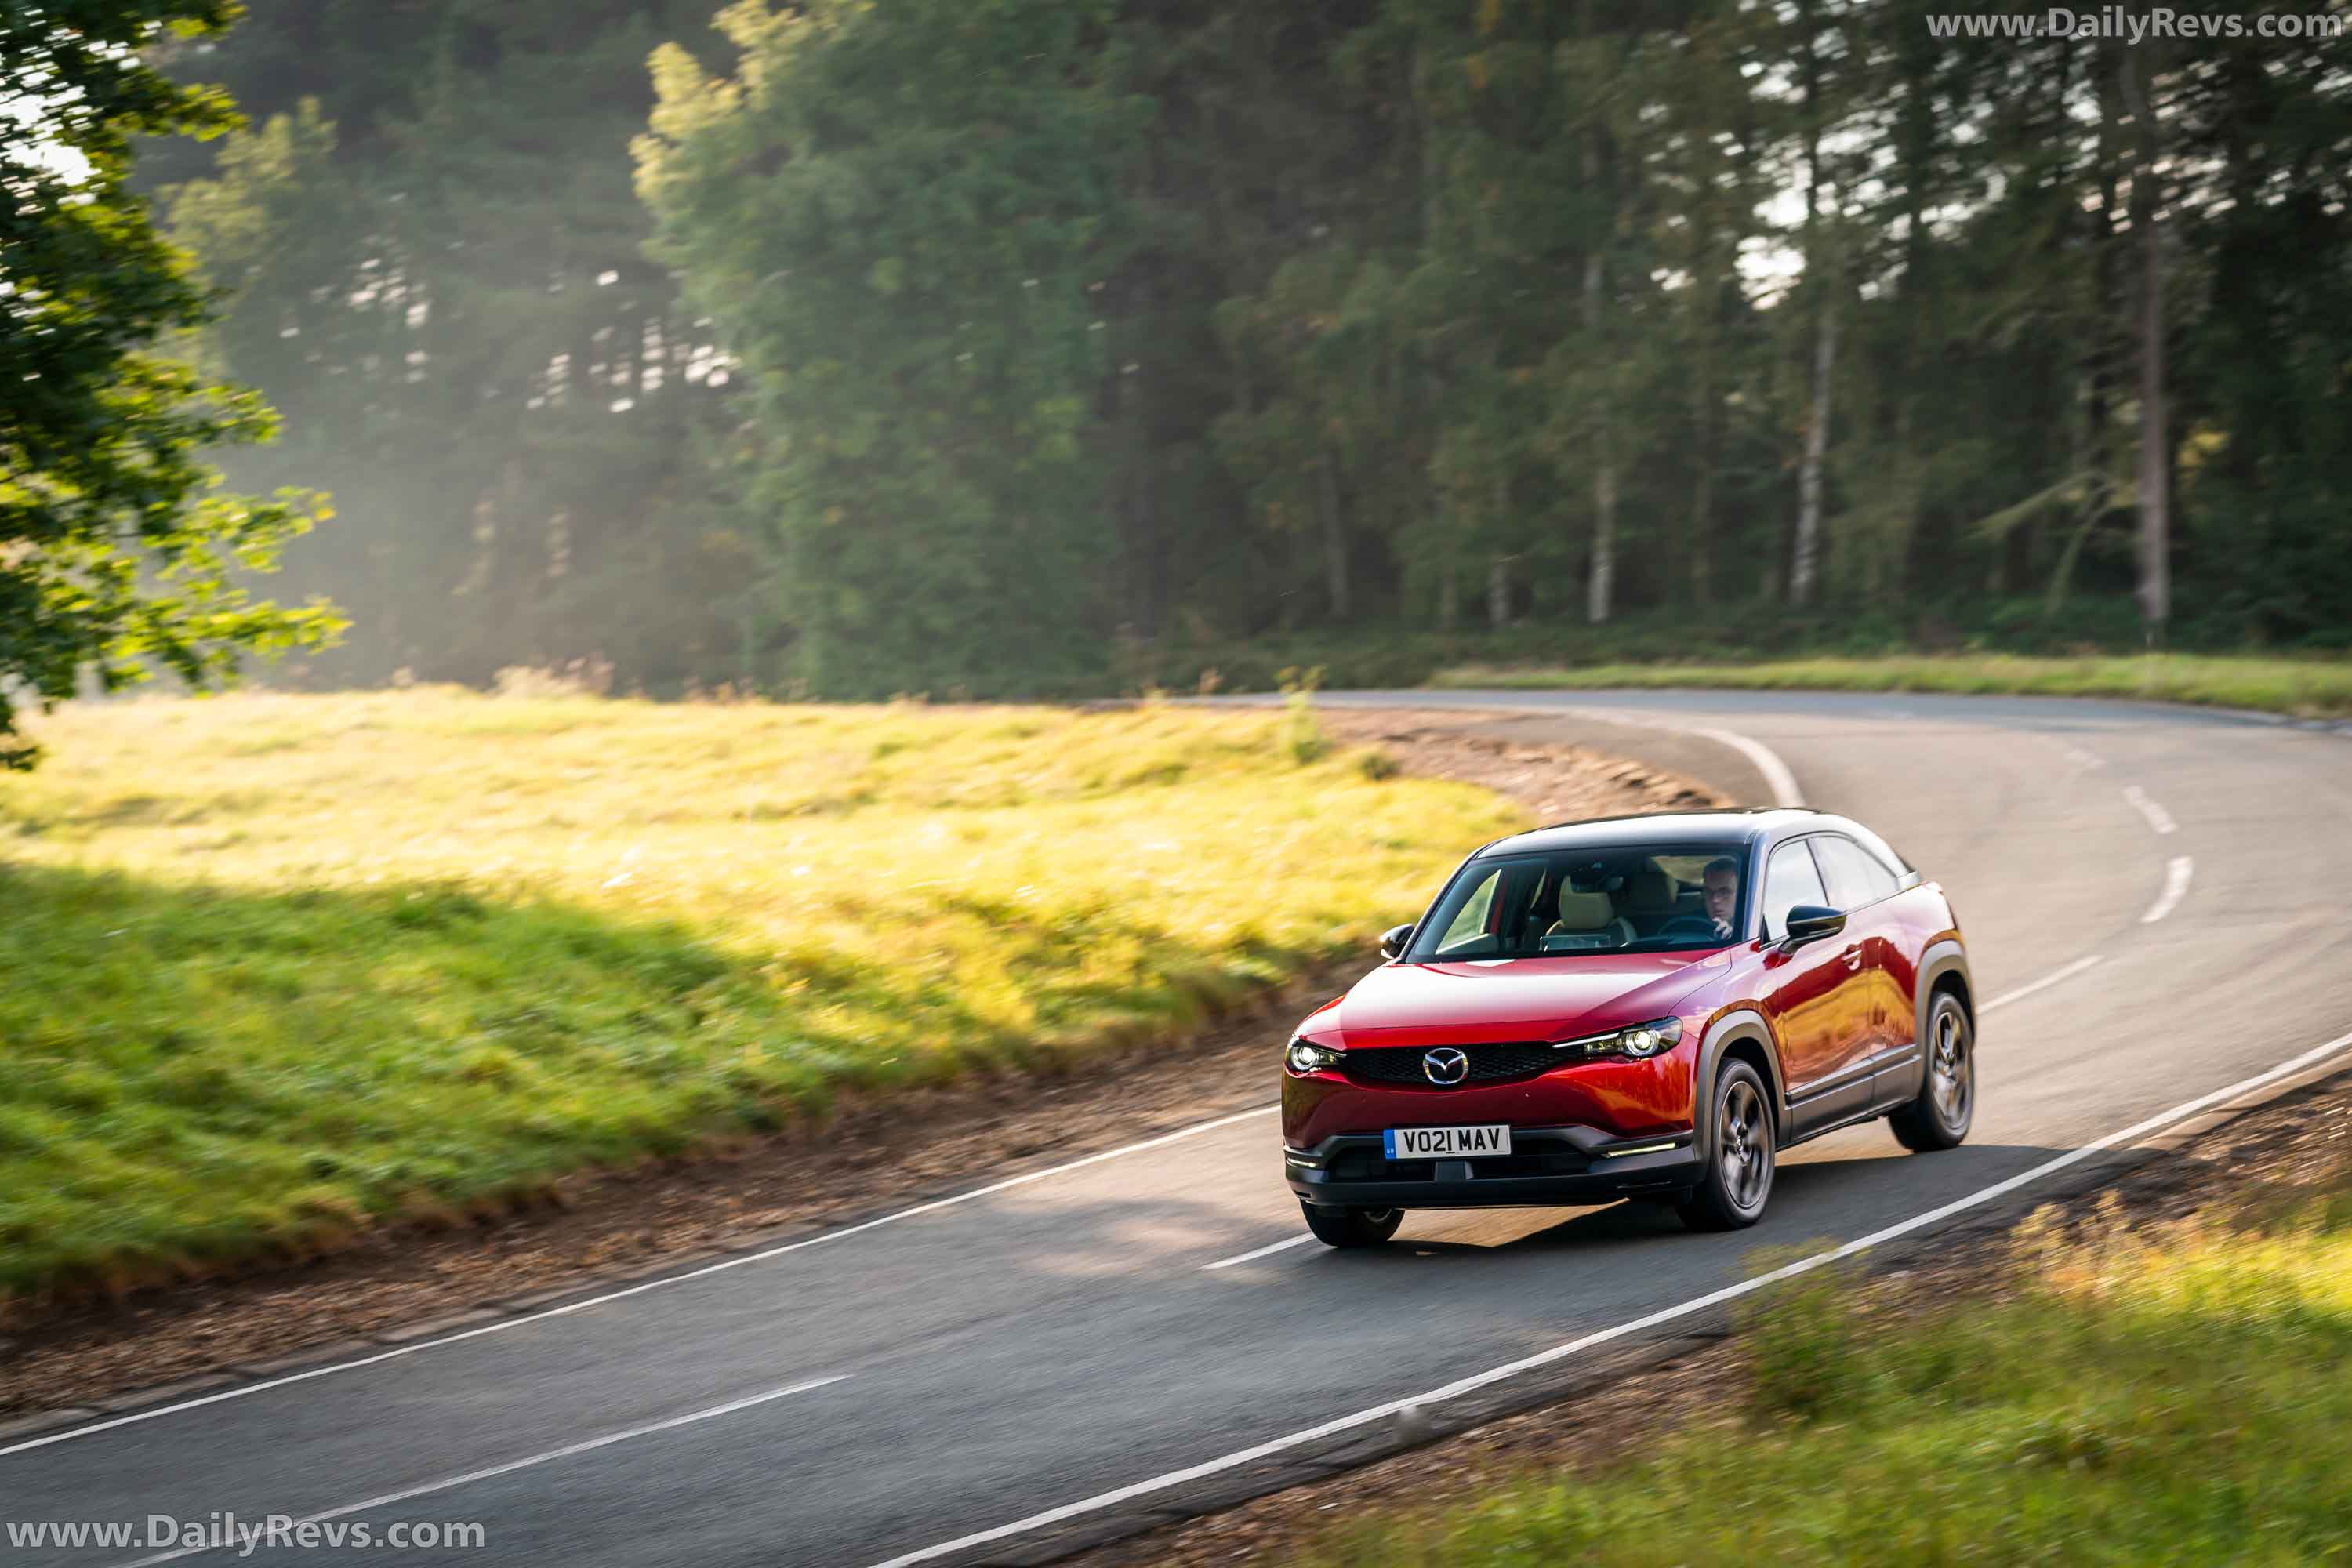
(2154, 900)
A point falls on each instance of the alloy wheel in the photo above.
(1746, 1148)
(1950, 1082)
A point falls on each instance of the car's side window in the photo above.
(1855, 876)
(1469, 925)
(1790, 880)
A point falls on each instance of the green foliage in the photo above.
(433, 259)
(916, 308)
(114, 553)
(2307, 688)
(1804, 1339)
(544, 932)
(1021, 349)
(1303, 732)
(2172, 1397)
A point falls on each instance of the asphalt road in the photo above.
(2154, 899)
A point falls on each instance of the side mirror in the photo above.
(1810, 922)
(1393, 942)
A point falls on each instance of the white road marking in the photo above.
(2081, 758)
(2157, 818)
(2072, 970)
(565, 1452)
(1664, 1315)
(1261, 1252)
(1776, 776)
(2175, 886)
(239, 1393)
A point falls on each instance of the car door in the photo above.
(1816, 996)
(1859, 885)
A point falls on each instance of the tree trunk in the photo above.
(2154, 593)
(1498, 592)
(1702, 574)
(1704, 403)
(1600, 589)
(1449, 593)
(1805, 565)
(1335, 537)
(1804, 570)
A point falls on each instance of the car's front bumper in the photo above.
(1547, 1165)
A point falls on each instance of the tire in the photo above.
(1740, 1166)
(1351, 1227)
(1939, 1117)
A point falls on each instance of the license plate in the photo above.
(1446, 1142)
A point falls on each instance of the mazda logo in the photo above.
(1446, 1067)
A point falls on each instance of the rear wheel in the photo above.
(1939, 1117)
(1738, 1168)
(1351, 1227)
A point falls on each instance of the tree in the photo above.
(899, 216)
(2154, 593)
(433, 259)
(115, 551)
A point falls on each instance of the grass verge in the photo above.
(2305, 688)
(282, 967)
(2176, 1395)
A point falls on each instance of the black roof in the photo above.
(1746, 824)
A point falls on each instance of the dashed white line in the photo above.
(2157, 818)
(1282, 1246)
(1664, 1315)
(565, 1452)
(2175, 886)
(2072, 970)
(504, 1325)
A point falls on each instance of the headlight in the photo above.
(1305, 1057)
(1641, 1040)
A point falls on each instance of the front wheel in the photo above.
(1731, 1195)
(1939, 1117)
(1351, 1227)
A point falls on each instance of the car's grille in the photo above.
(1401, 1065)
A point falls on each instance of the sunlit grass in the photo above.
(2179, 1397)
(2308, 688)
(280, 965)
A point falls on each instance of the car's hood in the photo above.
(1514, 999)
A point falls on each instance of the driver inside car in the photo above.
(1721, 881)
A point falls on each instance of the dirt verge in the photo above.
(607, 1227)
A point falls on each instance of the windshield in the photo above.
(1647, 897)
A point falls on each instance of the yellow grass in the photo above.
(359, 953)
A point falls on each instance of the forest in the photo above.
(1040, 347)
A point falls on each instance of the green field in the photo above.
(2179, 1397)
(283, 966)
(2306, 688)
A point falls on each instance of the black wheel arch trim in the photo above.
(1737, 1026)
(1945, 958)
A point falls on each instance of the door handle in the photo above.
(1852, 956)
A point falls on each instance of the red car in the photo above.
(1642, 1006)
